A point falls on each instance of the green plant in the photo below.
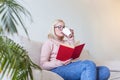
(11, 16)
(13, 58)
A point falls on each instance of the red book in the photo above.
(66, 52)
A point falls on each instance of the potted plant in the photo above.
(13, 58)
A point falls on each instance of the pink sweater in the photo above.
(49, 52)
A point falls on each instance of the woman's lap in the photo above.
(71, 71)
(75, 71)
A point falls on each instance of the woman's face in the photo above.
(58, 29)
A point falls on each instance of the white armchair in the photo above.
(34, 49)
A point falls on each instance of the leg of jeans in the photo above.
(71, 71)
(103, 73)
(89, 72)
(80, 70)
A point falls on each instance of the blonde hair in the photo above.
(51, 34)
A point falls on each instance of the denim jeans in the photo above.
(82, 70)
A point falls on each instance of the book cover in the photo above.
(66, 52)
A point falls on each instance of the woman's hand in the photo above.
(67, 61)
(72, 34)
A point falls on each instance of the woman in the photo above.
(78, 70)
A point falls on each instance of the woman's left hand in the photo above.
(67, 61)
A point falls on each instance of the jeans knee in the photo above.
(89, 63)
(104, 72)
(107, 71)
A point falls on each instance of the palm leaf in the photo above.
(14, 60)
(11, 16)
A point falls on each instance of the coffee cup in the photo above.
(66, 31)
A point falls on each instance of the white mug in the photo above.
(66, 31)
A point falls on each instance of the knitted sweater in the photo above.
(49, 52)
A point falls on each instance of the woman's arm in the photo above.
(45, 57)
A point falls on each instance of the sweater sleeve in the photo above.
(45, 62)
(70, 41)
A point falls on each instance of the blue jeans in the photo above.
(82, 70)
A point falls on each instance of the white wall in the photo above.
(96, 23)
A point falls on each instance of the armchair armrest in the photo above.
(45, 75)
(36, 74)
(48, 75)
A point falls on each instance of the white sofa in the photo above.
(34, 48)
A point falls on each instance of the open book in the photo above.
(67, 52)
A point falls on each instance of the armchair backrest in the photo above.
(33, 48)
